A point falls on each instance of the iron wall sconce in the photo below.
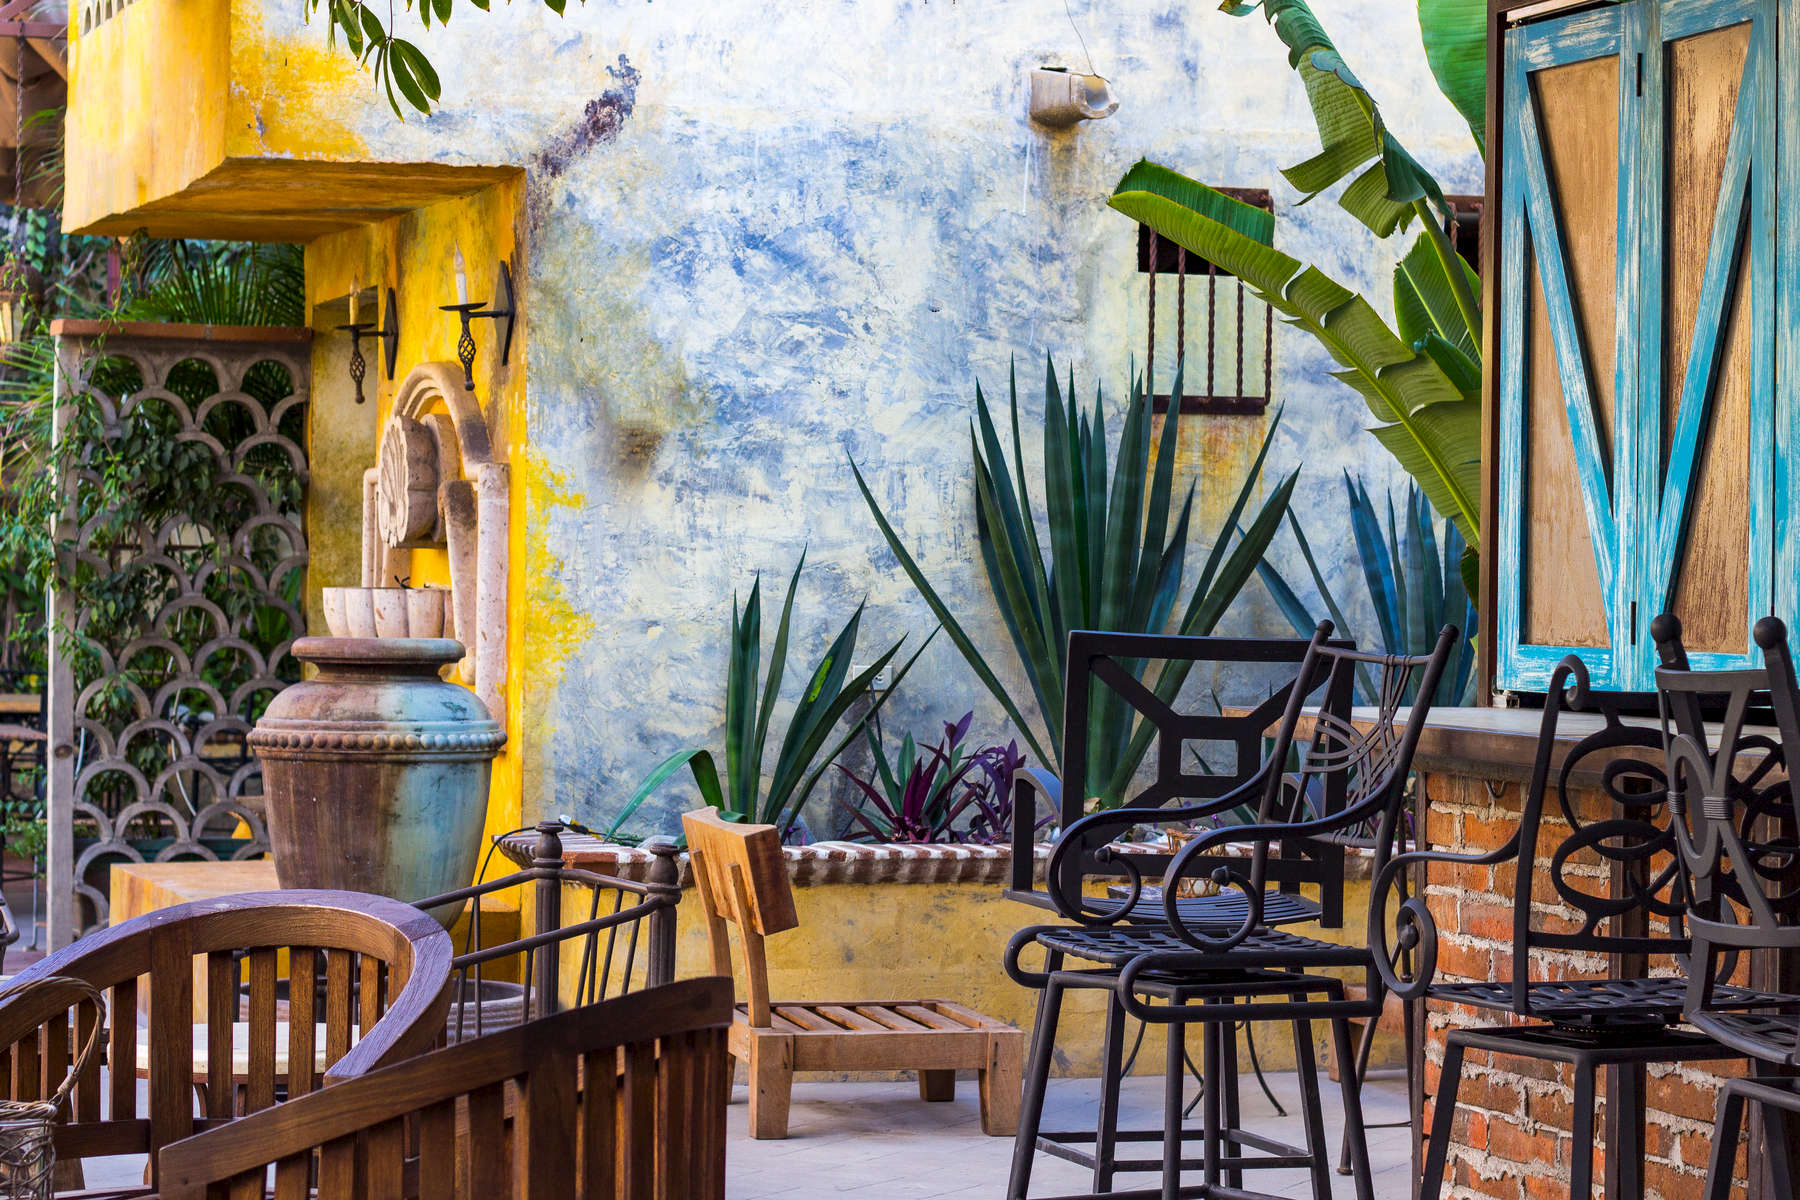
(503, 310)
(387, 332)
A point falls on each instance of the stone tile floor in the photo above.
(876, 1141)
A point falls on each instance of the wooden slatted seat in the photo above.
(742, 881)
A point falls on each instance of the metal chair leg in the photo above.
(1775, 1143)
(1111, 1075)
(1365, 1045)
(1228, 1094)
(1725, 1143)
(1037, 1077)
(1581, 1155)
(1317, 1148)
(1443, 1116)
(1211, 1115)
(1356, 1140)
(1174, 1074)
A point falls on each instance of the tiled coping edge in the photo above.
(833, 862)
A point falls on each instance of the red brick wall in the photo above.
(1511, 1137)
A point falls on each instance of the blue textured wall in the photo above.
(764, 235)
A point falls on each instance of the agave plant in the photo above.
(1414, 585)
(812, 740)
(919, 795)
(1115, 562)
(1421, 378)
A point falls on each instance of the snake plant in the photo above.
(1112, 559)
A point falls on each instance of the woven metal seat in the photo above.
(1223, 911)
(1602, 1001)
(1117, 946)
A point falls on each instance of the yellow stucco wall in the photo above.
(414, 254)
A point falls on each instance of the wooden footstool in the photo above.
(742, 881)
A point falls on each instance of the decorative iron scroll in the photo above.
(177, 604)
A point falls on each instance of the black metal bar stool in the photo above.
(1345, 776)
(1735, 806)
(1618, 1024)
(1114, 661)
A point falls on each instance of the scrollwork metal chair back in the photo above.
(1349, 777)
(1115, 661)
(1735, 811)
(1611, 874)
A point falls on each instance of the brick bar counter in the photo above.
(1511, 1135)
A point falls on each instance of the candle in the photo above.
(462, 277)
(355, 296)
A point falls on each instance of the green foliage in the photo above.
(1422, 384)
(1391, 184)
(397, 64)
(132, 475)
(1428, 417)
(812, 741)
(1414, 587)
(1455, 37)
(1114, 560)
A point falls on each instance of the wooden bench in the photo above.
(742, 881)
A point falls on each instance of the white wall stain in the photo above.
(820, 224)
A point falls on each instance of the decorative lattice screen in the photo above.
(181, 592)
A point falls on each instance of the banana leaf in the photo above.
(1429, 423)
(1455, 37)
(1389, 182)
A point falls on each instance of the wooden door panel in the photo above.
(1576, 106)
(1709, 289)
(1564, 203)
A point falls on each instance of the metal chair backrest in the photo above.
(624, 1098)
(1114, 662)
(1617, 869)
(1735, 808)
(1330, 771)
(385, 970)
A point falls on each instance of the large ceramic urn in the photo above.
(376, 770)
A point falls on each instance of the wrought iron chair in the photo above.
(1342, 776)
(1115, 661)
(1736, 813)
(1616, 872)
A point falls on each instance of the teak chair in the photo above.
(385, 967)
(742, 880)
(619, 1099)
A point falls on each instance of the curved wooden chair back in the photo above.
(742, 880)
(620, 1099)
(384, 967)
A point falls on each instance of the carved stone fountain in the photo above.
(377, 768)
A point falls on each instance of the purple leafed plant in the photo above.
(920, 796)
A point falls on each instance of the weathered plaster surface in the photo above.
(763, 237)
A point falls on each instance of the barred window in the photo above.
(1216, 326)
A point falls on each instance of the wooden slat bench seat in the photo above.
(742, 880)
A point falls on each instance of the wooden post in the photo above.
(547, 862)
(665, 881)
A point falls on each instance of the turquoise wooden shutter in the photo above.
(1637, 337)
(1706, 348)
(1566, 370)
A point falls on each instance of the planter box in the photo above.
(903, 922)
